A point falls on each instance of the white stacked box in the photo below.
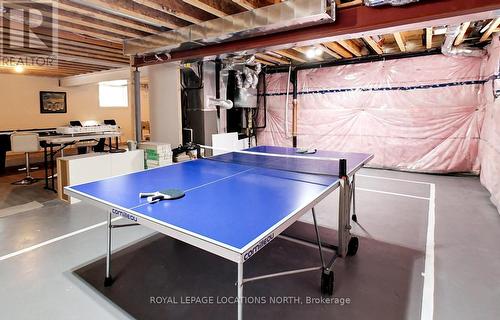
(156, 154)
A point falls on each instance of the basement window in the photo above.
(113, 94)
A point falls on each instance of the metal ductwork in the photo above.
(284, 16)
(375, 3)
(449, 49)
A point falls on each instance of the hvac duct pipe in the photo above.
(137, 105)
(448, 48)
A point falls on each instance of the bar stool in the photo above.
(25, 142)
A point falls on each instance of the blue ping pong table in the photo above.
(215, 214)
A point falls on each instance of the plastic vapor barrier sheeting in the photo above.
(419, 114)
(489, 146)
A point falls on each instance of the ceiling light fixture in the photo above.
(19, 68)
(314, 52)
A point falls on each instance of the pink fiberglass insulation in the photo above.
(420, 114)
(489, 146)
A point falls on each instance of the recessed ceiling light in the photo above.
(310, 53)
(19, 68)
(313, 52)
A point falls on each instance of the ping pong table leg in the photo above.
(108, 280)
(240, 290)
(353, 185)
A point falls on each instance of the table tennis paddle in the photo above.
(306, 151)
(169, 194)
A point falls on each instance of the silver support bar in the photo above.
(344, 233)
(124, 225)
(318, 238)
(354, 216)
(108, 280)
(240, 290)
(137, 106)
(280, 274)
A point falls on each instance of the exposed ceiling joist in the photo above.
(139, 12)
(338, 49)
(216, 7)
(463, 29)
(69, 6)
(177, 9)
(351, 47)
(341, 4)
(267, 63)
(71, 56)
(70, 44)
(271, 58)
(494, 24)
(428, 37)
(85, 21)
(66, 35)
(400, 41)
(245, 4)
(290, 55)
(374, 45)
(328, 51)
(70, 51)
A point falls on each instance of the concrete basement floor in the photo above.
(52, 260)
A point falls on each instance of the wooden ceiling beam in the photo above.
(428, 37)
(139, 12)
(79, 52)
(352, 3)
(351, 47)
(271, 58)
(400, 41)
(494, 24)
(68, 36)
(335, 47)
(254, 4)
(78, 29)
(17, 34)
(330, 52)
(84, 21)
(461, 36)
(218, 8)
(52, 69)
(38, 73)
(69, 6)
(374, 45)
(267, 63)
(292, 55)
(73, 58)
(176, 8)
(61, 52)
(246, 4)
(63, 24)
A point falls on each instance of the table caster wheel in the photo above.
(352, 247)
(327, 283)
(108, 281)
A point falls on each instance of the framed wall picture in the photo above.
(52, 102)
